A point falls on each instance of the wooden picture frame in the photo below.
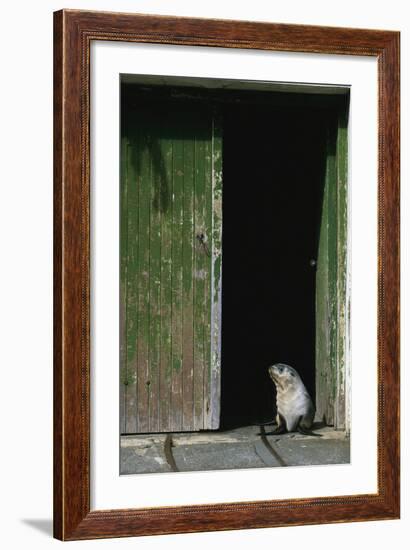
(74, 32)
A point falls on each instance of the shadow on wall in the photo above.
(155, 129)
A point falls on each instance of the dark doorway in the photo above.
(274, 161)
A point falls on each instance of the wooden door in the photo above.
(171, 192)
(332, 308)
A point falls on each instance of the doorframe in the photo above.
(333, 375)
(214, 413)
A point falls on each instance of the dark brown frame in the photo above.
(73, 33)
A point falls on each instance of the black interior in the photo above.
(273, 176)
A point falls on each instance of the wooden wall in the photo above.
(170, 249)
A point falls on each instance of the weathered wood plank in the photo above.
(213, 417)
(170, 271)
(123, 282)
(156, 184)
(325, 292)
(208, 230)
(177, 172)
(165, 160)
(331, 293)
(341, 416)
(322, 311)
(188, 243)
(332, 267)
(199, 274)
(143, 279)
(131, 288)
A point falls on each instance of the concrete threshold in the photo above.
(243, 447)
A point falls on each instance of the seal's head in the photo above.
(283, 375)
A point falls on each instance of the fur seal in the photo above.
(295, 409)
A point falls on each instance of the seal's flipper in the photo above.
(304, 430)
(281, 429)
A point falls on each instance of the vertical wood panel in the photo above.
(343, 307)
(131, 312)
(188, 240)
(332, 268)
(199, 274)
(322, 313)
(143, 280)
(325, 295)
(155, 281)
(331, 305)
(216, 276)
(123, 283)
(176, 278)
(172, 363)
(165, 160)
(208, 206)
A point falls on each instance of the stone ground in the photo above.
(246, 447)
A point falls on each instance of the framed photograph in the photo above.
(226, 275)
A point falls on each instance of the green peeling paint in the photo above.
(331, 276)
(170, 250)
